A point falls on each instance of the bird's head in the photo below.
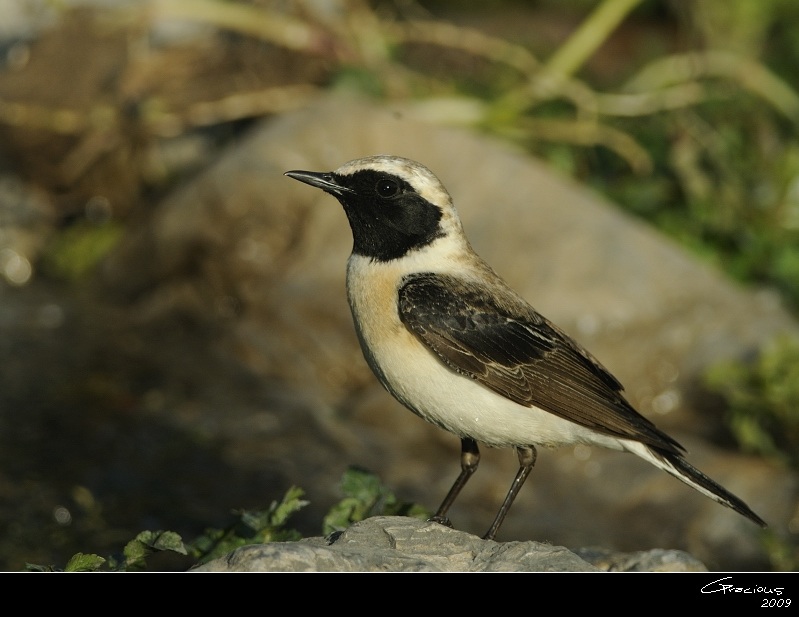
(394, 205)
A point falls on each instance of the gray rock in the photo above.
(402, 544)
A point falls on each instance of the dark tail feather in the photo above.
(677, 466)
(695, 478)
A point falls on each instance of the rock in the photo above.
(402, 544)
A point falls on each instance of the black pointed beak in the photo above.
(321, 180)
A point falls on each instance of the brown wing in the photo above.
(511, 349)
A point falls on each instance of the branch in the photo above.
(749, 74)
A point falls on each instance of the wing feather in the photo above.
(501, 342)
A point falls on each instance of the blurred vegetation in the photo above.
(763, 414)
(364, 496)
(763, 399)
(684, 113)
(693, 128)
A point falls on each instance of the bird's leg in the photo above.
(470, 459)
(527, 456)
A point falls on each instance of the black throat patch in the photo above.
(387, 216)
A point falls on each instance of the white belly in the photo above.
(419, 380)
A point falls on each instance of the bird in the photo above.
(455, 344)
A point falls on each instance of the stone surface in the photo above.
(401, 544)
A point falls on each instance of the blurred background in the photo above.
(149, 293)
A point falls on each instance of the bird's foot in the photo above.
(441, 520)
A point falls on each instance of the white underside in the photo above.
(419, 380)
(464, 407)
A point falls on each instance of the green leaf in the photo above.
(81, 562)
(291, 503)
(148, 542)
(251, 527)
(365, 496)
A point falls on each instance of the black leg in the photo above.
(470, 459)
(526, 461)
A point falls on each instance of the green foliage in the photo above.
(251, 527)
(84, 563)
(353, 78)
(134, 556)
(365, 496)
(145, 544)
(79, 562)
(77, 249)
(763, 414)
(763, 399)
(783, 550)
(711, 160)
(728, 197)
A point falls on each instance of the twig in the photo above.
(257, 21)
(647, 103)
(465, 39)
(589, 36)
(586, 133)
(749, 74)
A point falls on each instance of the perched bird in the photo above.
(457, 346)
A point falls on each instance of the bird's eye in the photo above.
(387, 188)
